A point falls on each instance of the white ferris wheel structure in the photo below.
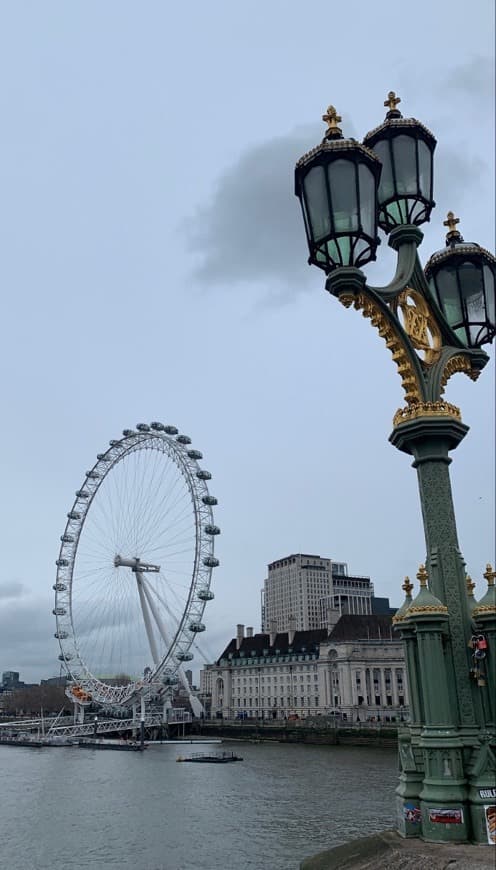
(134, 568)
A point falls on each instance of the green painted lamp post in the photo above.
(434, 322)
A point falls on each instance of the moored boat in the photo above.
(210, 758)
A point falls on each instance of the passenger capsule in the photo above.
(184, 656)
(61, 635)
(195, 454)
(114, 443)
(183, 439)
(159, 427)
(74, 515)
(102, 457)
(196, 626)
(206, 595)
(171, 430)
(143, 427)
(67, 539)
(209, 499)
(82, 493)
(212, 530)
(203, 475)
(211, 562)
(65, 658)
(93, 475)
(62, 563)
(59, 587)
(59, 611)
(127, 432)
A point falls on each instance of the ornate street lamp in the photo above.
(337, 185)
(434, 324)
(461, 280)
(406, 149)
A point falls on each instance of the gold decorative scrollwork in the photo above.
(419, 324)
(426, 409)
(458, 363)
(427, 608)
(393, 341)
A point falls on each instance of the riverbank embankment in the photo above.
(287, 731)
(388, 849)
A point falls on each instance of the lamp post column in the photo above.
(429, 439)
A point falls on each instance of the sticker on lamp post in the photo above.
(412, 813)
(490, 814)
(451, 816)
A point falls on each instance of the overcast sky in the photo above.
(153, 267)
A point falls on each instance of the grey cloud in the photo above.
(26, 638)
(11, 589)
(456, 174)
(475, 77)
(252, 230)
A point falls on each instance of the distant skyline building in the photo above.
(10, 680)
(301, 592)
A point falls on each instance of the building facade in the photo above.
(355, 670)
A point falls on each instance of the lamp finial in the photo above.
(453, 235)
(490, 575)
(332, 120)
(422, 576)
(470, 585)
(391, 104)
(407, 586)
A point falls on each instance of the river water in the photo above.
(69, 808)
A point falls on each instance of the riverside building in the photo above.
(353, 669)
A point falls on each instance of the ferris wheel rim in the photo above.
(177, 449)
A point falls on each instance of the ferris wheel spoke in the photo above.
(159, 525)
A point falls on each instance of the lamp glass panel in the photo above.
(317, 203)
(367, 199)
(386, 182)
(425, 169)
(447, 293)
(405, 164)
(340, 251)
(342, 183)
(470, 277)
(490, 295)
(397, 212)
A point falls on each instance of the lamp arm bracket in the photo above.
(375, 308)
(453, 360)
(405, 267)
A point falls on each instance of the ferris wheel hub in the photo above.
(135, 564)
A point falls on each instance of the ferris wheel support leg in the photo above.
(146, 618)
(196, 705)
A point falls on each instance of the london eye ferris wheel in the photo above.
(134, 566)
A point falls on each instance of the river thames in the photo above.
(70, 808)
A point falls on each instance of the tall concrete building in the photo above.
(300, 590)
(292, 591)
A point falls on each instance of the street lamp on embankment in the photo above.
(434, 321)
